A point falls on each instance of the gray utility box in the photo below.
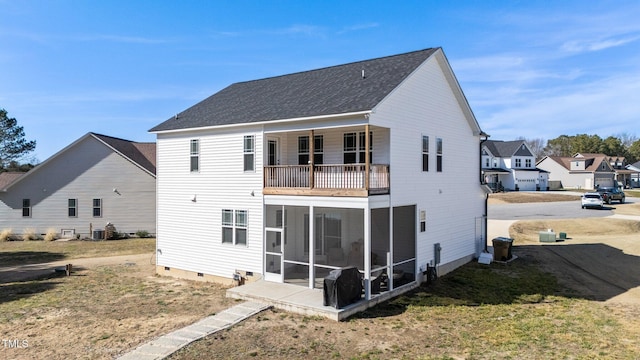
(547, 236)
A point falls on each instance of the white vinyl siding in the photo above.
(427, 105)
(220, 184)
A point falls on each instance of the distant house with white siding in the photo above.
(634, 177)
(511, 165)
(581, 171)
(373, 164)
(95, 180)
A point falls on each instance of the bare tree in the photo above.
(536, 145)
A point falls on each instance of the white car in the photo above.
(592, 200)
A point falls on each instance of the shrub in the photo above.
(5, 234)
(51, 235)
(142, 233)
(29, 234)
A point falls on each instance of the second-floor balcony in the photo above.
(327, 180)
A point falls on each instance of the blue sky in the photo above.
(536, 69)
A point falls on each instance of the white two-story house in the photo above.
(373, 164)
(511, 165)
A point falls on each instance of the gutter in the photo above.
(486, 199)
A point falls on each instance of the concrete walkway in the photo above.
(174, 341)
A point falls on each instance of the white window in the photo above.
(234, 227)
(249, 153)
(518, 163)
(354, 148)
(72, 207)
(195, 155)
(486, 162)
(425, 153)
(439, 154)
(97, 207)
(527, 163)
(303, 150)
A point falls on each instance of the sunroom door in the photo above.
(273, 256)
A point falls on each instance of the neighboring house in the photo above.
(581, 171)
(511, 165)
(623, 175)
(634, 177)
(373, 164)
(96, 180)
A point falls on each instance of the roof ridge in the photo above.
(333, 66)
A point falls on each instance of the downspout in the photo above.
(486, 199)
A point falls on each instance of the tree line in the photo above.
(623, 145)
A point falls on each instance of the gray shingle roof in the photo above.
(144, 154)
(333, 90)
(506, 148)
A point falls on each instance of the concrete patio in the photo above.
(306, 301)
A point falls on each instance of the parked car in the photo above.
(592, 200)
(610, 194)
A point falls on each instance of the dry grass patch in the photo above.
(529, 197)
(32, 252)
(585, 229)
(101, 312)
(628, 209)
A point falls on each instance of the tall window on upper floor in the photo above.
(304, 149)
(439, 154)
(26, 207)
(249, 152)
(486, 162)
(518, 163)
(195, 155)
(354, 147)
(425, 153)
(527, 163)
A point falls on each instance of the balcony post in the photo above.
(367, 160)
(312, 151)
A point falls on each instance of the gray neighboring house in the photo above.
(511, 165)
(96, 180)
(581, 171)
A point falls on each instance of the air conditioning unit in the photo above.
(98, 235)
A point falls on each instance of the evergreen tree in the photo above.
(12, 142)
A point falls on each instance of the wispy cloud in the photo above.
(597, 44)
(119, 39)
(300, 29)
(358, 27)
(55, 38)
(602, 107)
